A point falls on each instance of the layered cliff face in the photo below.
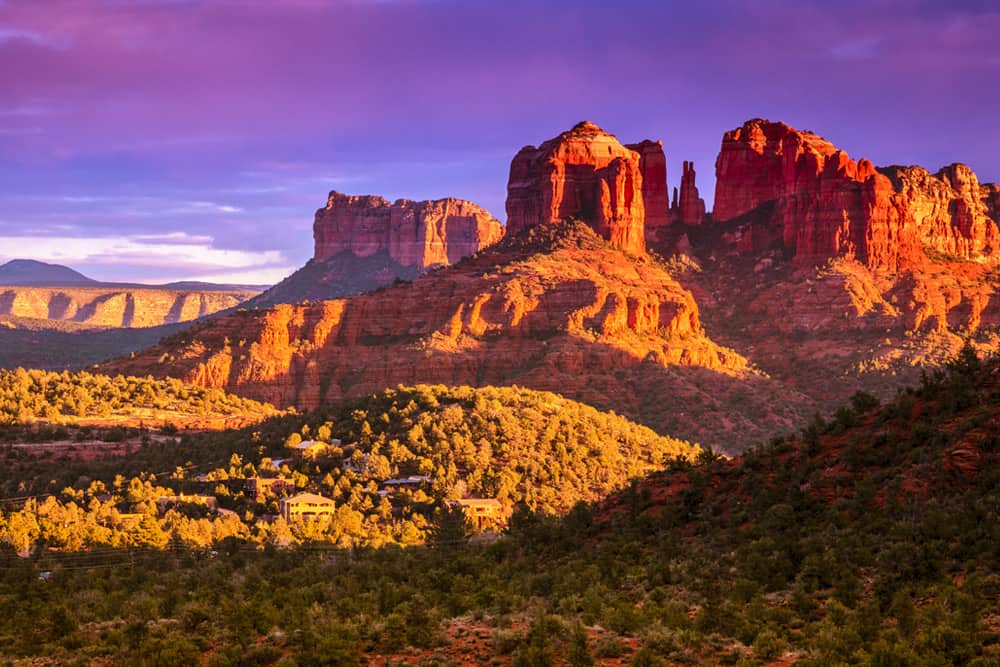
(116, 306)
(585, 174)
(952, 213)
(555, 308)
(797, 191)
(653, 166)
(420, 234)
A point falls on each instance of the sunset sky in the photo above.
(158, 140)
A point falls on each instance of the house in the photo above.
(305, 506)
(312, 448)
(483, 513)
(411, 482)
(262, 487)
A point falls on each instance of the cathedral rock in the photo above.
(586, 174)
(797, 191)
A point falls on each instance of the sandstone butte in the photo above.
(653, 167)
(796, 190)
(366, 242)
(413, 233)
(116, 306)
(585, 174)
(834, 275)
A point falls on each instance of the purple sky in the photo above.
(166, 139)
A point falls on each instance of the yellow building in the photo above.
(305, 506)
(311, 449)
(483, 513)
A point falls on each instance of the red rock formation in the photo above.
(572, 315)
(420, 234)
(812, 200)
(951, 212)
(585, 174)
(653, 165)
(689, 208)
(991, 195)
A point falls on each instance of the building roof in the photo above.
(308, 498)
(412, 479)
(478, 502)
(309, 444)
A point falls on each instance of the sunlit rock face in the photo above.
(799, 192)
(583, 173)
(421, 234)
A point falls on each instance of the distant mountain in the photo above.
(32, 272)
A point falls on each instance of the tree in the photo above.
(448, 531)
(578, 652)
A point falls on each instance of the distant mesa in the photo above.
(413, 233)
(32, 272)
(43, 296)
(798, 192)
(366, 242)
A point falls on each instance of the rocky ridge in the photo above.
(553, 308)
(818, 290)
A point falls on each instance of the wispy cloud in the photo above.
(143, 206)
(174, 254)
(10, 34)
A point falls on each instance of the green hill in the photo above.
(871, 539)
(27, 396)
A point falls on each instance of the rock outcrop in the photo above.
(796, 191)
(420, 234)
(689, 207)
(585, 174)
(555, 308)
(363, 243)
(653, 166)
(951, 212)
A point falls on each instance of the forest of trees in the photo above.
(869, 539)
(511, 444)
(27, 396)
